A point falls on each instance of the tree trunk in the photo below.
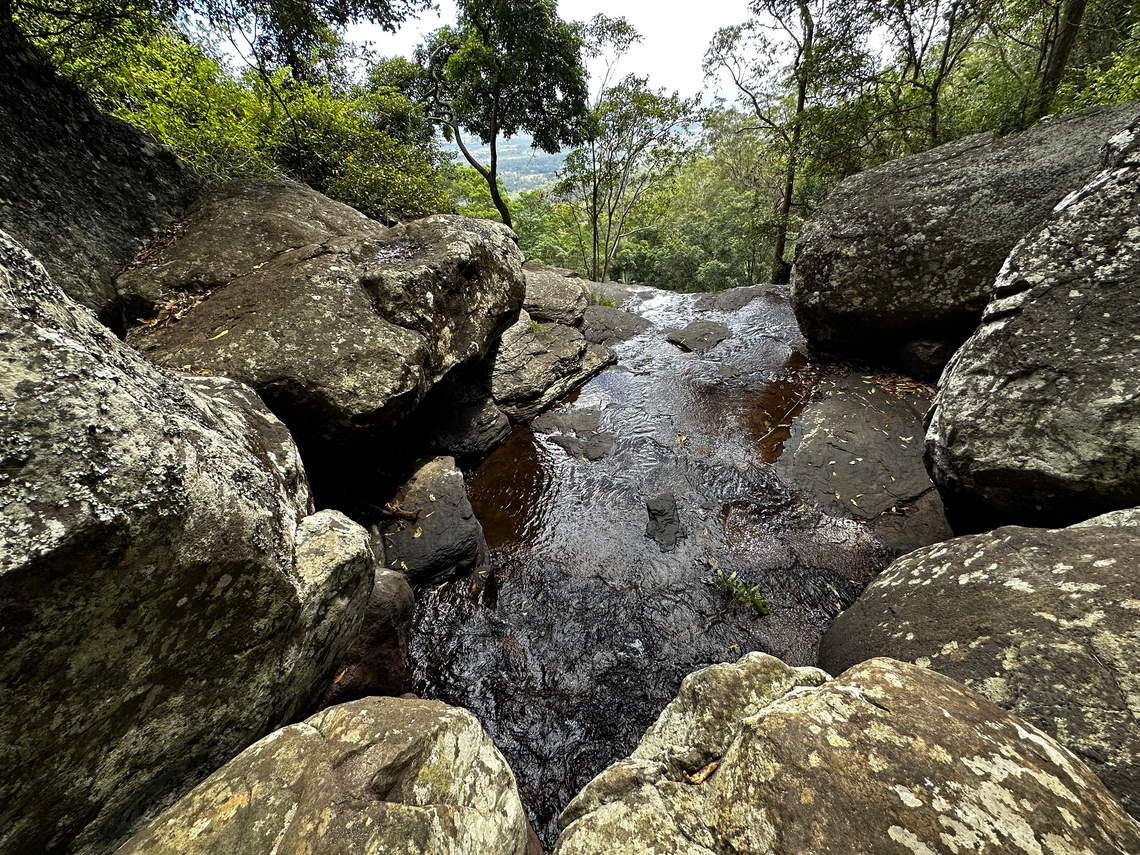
(493, 182)
(1059, 52)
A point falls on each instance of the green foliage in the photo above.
(741, 591)
(508, 66)
(368, 146)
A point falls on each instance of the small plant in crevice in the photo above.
(596, 299)
(741, 591)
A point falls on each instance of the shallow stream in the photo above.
(569, 645)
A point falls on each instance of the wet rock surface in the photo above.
(81, 190)
(376, 775)
(699, 336)
(537, 364)
(436, 536)
(583, 628)
(577, 432)
(856, 450)
(1043, 623)
(758, 757)
(167, 594)
(1035, 420)
(341, 324)
(910, 249)
(609, 325)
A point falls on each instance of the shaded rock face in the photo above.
(536, 365)
(553, 297)
(376, 775)
(1035, 420)
(376, 662)
(82, 191)
(1043, 623)
(910, 249)
(856, 449)
(445, 540)
(898, 758)
(341, 324)
(166, 596)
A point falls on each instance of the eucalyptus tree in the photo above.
(506, 67)
(791, 57)
(638, 142)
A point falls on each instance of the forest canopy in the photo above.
(686, 193)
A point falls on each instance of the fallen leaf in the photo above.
(703, 775)
(340, 676)
(431, 497)
(419, 531)
(219, 335)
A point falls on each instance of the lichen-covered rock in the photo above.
(81, 190)
(445, 539)
(553, 297)
(383, 775)
(166, 595)
(1043, 623)
(1036, 417)
(376, 664)
(537, 365)
(341, 324)
(910, 249)
(886, 758)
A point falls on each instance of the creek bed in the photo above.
(569, 645)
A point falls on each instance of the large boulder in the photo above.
(166, 595)
(1036, 418)
(537, 365)
(1043, 623)
(384, 775)
(758, 757)
(341, 324)
(80, 189)
(908, 250)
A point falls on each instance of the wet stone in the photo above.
(699, 336)
(664, 523)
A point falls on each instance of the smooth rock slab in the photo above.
(379, 775)
(609, 325)
(1036, 417)
(886, 758)
(1043, 623)
(856, 450)
(910, 249)
(699, 336)
(166, 595)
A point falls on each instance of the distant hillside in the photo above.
(520, 166)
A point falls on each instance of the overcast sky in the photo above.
(675, 35)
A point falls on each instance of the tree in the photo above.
(639, 141)
(507, 67)
(793, 55)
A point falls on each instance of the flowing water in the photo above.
(569, 645)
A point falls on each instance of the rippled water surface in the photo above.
(580, 632)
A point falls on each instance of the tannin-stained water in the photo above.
(569, 645)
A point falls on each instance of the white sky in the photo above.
(675, 36)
